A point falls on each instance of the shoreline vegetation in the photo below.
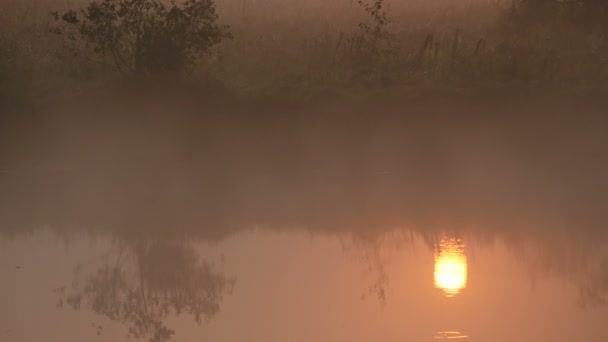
(301, 52)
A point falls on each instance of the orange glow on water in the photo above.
(450, 335)
(450, 267)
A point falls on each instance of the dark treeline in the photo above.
(585, 13)
(298, 50)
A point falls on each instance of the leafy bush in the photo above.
(144, 37)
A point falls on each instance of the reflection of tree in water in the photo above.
(375, 255)
(579, 259)
(159, 280)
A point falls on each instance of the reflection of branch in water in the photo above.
(595, 291)
(375, 255)
(165, 278)
(582, 260)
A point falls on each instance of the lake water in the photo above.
(293, 285)
(422, 229)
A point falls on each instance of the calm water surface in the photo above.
(266, 285)
(398, 231)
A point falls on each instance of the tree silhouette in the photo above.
(144, 37)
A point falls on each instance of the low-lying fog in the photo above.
(274, 223)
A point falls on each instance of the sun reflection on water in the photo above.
(450, 267)
(450, 335)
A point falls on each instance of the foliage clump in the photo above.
(144, 37)
(375, 30)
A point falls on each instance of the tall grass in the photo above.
(302, 48)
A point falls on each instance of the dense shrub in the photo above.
(144, 37)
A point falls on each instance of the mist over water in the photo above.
(330, 223)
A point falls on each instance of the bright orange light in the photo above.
(451, 267)
(450, 335)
